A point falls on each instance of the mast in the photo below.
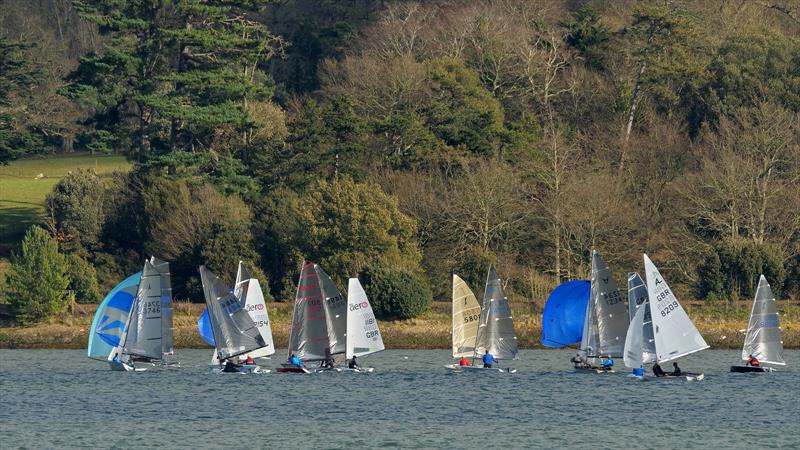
(763, 337)
(675, 334)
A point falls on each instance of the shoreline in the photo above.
(721, 328)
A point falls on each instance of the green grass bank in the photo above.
(722, 327)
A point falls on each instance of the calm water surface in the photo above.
(59, 398)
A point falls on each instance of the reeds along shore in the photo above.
(722, 326)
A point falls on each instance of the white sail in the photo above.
(363, 336)
(590, 339)
(166, 305)
(637, 299)
(466, 317)
(250, 291)
(609, 307)
(763, 338)
(675, 334)
(633, 357)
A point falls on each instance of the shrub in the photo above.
(395, 294)
(37, 278)
(82, 279)
(75, 208)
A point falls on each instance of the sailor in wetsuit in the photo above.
(577, 361)
(658, 371)
(753, 361)
(230, 367)
(488, 360)
(676, 372)
(352, 363)
(294, 360)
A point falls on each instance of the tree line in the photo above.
(422, 138)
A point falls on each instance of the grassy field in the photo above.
(22, 194)
(721, 326)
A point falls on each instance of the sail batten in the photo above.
(233, 328)
(496, 332)
(466, 317)
(363, 336)
(675, 334)
(763, 337)
(606, 318)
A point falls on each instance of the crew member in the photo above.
(488, 360)
(676, 372)
(352, 364)
(658, 371)
(464, 362)
(577, 361)
(294, 360)
(249, 360)
(753, 361)
(608, 363)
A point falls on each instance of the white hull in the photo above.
(243, 369)
(457, 368)
(684, 377)
(356, 370)
(593, 370)
(123, 367)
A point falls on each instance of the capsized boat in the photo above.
(763, 337)
(605, 323)
(466, 317)
(233, 329)
(133, 323)
(363, 336)
(319, 321)
(674, 334)
(495, 333)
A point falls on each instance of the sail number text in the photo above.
(471, 318)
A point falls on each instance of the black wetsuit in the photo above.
(658, 371)
(677, 372)
(230, 367)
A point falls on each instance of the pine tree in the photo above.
(37, 279)
(174, 76)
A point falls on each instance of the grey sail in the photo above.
(590, 338)
(167, 339)
(609, 307)
(234, 331)
(763, 338)
(496, 328)
(143, 339)
(335, 313)
(309, 339)
(637, 299)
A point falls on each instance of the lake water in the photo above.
(59, 398)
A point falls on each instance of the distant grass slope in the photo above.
(22, 194)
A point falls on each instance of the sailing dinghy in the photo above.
(763, 337)
(495, 333)
(247, 291)
(233, 329)
(605, 323)
(363, 336)
(319, 322)
(674, 334)
(466, 317)
(640, 347)
(133, 324)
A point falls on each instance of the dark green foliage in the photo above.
(395, 294)
(82, 279)
(473, 267)
(75, 207)
(588, 35)
(462, 111)
(37, 280)
(732, 270)
(17, 76)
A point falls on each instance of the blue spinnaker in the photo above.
(108, 324)
(204, 327)
(564, 313)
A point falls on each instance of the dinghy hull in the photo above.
(487, 369)
(688, 376)
(291, 368)
(751, 369)
(123, 367)
(593, 370)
